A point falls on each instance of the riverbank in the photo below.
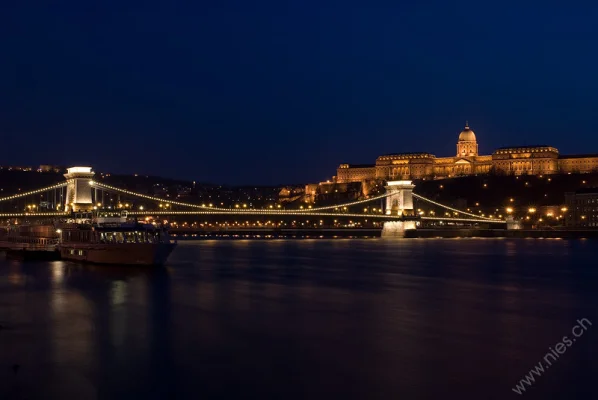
(262, 233)
(502, 233)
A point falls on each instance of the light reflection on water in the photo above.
(302, 319)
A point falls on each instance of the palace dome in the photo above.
(467, 135)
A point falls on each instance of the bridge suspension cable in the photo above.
(207, 210)
(316, 210)
(491, 221)
(33, 214)
(452, 209)
(269, 213)
(178, 203)
(315, 214)
(16, 196)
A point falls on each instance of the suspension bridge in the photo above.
(80, 192)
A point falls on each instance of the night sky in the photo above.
(283, 91)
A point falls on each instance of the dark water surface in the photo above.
(350, 319)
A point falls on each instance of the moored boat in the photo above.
(30, 242)
(109, 238)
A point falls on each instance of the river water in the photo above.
(299, 319)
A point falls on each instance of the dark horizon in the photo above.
(237, 93)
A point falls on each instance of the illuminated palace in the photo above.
(530, 160)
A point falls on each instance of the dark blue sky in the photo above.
(274, 91)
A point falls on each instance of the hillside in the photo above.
(490, 192)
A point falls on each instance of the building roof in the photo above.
(467, 135)
(413, 153)
(579, 156)
(361, 165)
(533, 146)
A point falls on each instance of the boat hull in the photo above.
(32, 255)
(118, 254)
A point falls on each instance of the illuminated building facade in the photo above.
(522, 160)
(583, 208)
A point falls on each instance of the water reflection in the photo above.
(57, 269)
(119, 292)
(297, 319)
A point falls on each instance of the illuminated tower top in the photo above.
(467, 135)
(467, 146)
(78, 188)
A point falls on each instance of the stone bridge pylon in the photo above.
(399, 202)
(78, 189)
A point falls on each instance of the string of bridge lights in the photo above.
(247, 211)
(265, 212)
(486, 219)
(451, 219)
(244, 212)
(33, 214)
(319, 214)
(294, 212)
(16, 196)
(221, 210)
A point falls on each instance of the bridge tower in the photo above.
(400, 202)
(78, 189)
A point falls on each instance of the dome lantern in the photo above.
(467, 135)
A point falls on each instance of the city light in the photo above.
(165, 206)
(102, 185)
